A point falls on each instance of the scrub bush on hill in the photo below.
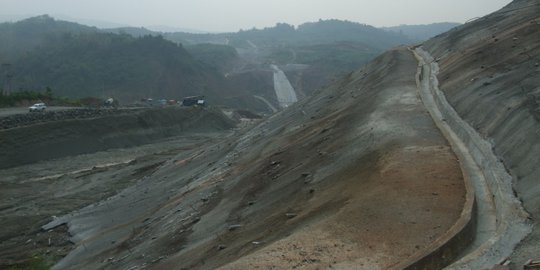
(26, 97)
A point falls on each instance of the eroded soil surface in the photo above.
(357, 176)
(32, 195)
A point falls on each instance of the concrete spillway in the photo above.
(284, 91)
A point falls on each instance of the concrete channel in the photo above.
(285, 93)
(499, 220)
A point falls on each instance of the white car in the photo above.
(38, 107)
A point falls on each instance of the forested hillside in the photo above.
(19, 38)
(79, 61)
(282, 34)
(326, 49)
(422, 32)
(221, 57)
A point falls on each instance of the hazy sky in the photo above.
(232, 15)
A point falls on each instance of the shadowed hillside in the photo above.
(422, 32)
(79, 61)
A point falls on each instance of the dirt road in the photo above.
(501, 222)
(22, 110)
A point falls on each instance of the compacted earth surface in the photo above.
(54, 183)
(357, 176)
(32, 195)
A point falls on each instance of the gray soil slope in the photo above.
(58, 180)
(58, 137)
(33, 194)
(490, 73)
(325, 183)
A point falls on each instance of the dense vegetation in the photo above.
(26, 97)
(346, 55)
(422, 32)
(17, 39)
(282, 34)
(133, 31)
(329, 48)
(228, 68)
(87, 62)
(213, 55)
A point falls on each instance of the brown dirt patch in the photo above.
(375, 229)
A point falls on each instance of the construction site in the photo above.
(428, 157)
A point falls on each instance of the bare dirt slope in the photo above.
(57, 136)
(490, 73)
(31, 194)
(357, 176)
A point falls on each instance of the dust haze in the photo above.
(231, 16)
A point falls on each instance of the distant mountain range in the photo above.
(282, 34)
(422, 32)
